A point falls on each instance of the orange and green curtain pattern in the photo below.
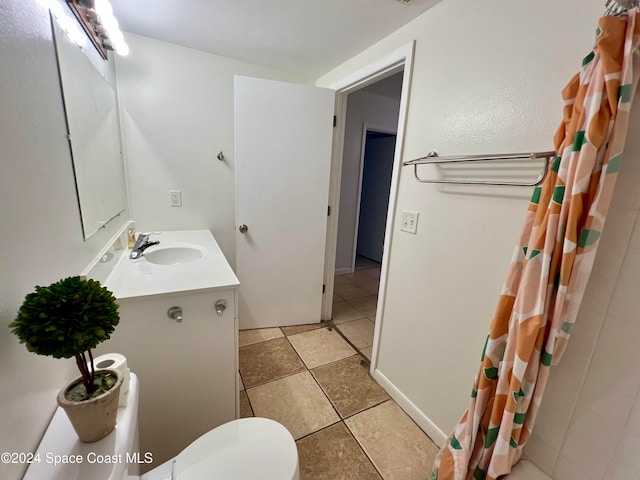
(551, 264)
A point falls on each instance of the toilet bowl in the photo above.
(248, 448)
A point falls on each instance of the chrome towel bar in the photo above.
(433, 158)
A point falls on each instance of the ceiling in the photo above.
(303, 37)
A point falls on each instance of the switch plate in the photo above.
(175, 198)
(409, 221)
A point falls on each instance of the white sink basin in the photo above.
(173, 255)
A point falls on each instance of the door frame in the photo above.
(398, 60)
(366, 128)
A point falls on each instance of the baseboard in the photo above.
(430, 428)
(343, 271)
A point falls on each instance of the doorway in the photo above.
(357, 285)
(375, 185)
(371, 118)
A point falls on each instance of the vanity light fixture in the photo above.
(97, 19)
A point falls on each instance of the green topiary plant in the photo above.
(67, 319)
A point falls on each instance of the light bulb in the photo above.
(104, 8)
(109, 22)
(122, 48)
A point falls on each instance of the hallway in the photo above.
(355, 299)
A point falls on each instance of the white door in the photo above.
(282, 161)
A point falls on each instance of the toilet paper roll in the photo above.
(116, 361)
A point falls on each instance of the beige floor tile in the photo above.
(371, 287)
(360, 276)
(332, 454)
(321, 346)
(367, 352)
(296, 401)
(372, 272)
(341, 280)
(349, 386)
(350, 291)
(249, 337)
(240, 383)
(359, 332)
(266, 361)
(300, 328)
(245, 407)
(344, 312)
(395, 445)
(366, 305)
(337, 298)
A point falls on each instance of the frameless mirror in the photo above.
(94, 135)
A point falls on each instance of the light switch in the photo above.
(175, 198)
(409, 221)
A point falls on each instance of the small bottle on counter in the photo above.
(131, 237)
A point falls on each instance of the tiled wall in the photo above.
(589, 423)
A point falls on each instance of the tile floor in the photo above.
(355, 299)
(313, 382)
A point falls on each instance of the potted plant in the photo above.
(67, 319)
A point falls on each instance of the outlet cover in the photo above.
(175, 198)
(409, 222)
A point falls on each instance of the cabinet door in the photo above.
(187, 370)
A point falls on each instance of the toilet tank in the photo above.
(62, 456)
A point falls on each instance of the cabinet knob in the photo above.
(221, 305)
(175, 313)
(243, 229)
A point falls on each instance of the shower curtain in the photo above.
(552, 262)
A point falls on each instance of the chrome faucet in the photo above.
(142, 243)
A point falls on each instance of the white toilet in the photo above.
(245, 449)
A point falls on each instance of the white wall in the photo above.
(41, 235)
(363, 107)
(177, 106)
(487, 78)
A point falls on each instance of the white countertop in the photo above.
(136, 279)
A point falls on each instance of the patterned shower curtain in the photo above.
(551, 264)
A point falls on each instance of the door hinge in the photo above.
(324, 287)
(335, 120)
(328, 210)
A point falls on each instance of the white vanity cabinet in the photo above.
(187, 370)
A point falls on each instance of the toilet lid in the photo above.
(249, 448)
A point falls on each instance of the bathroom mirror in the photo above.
(94, 134)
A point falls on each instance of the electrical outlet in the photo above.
(175, 198)
(409, 221)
